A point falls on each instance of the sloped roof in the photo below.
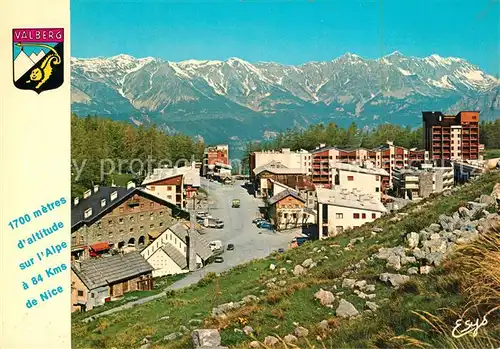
(94, 202)
(102, 271)
(176, 256)
(283, 194)
(202, 246)
(337, 197)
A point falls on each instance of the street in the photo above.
(249, 241)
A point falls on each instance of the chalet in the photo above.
(99, 280)
(113, 218)
(287, 210)
(279, 172)
(168, 254)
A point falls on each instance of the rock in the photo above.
(247, 330)
(307, 263)
(434, 227)
(205, 338)
(313, 265)
(146, 346)
(412, 270)
(369, 288)
(413, 239)
(339, 293)
(325, 297)
(254, 344)
(348, 283)
(496, 193)
(406, 260)
(281, 283)
(145, 341)
(172, 336)
(250, 298)
(270, 341)
(360, 284)
(290, 339)
(237, 330)
(464, 212)
(356, 240)
(394, 262)
(282, 271)
(272, 267)
(288, 261)
(418, 253)
(298, 270)
(426, 269)
(271, 285)
(435, 258)
(183, 329)
(165, 318)
(301, 332)
(323, 325)
(372, 306)
(378, 230)
(370, 296)
(195, 322)
(394, 279)
(487, 199)
(346, 309)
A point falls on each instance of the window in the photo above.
(121, 231)
(151, 204)
(355, 215)
(151, 226)
(141, 217)
(80, 293)
(151, 216)
(161, 224)
(377, 178)
(169, 187)
(350, 178)
(374, 216)
(99, 225)
(161, 213)
(294, 215)
(121, 209)
(131, 229)
(153, 188)
(285, 215)
(339, 215)
(120, 220)
(377, 189)
(141, 227)
(110, 222)
(131, 218)
(110, 235)
(142, 205)
(363, 215)
(169, 196)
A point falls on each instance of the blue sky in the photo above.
(288, 32)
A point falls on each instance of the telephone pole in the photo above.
(191, 234)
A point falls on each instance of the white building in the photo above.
(417, 184)
(291, 159)
(365, 180)
(175, 184)
(168, 254)
(339, 210)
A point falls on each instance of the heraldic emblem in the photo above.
(38, 58)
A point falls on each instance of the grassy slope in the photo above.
(294, 302)
(492, 153)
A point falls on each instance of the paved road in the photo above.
(249, 241)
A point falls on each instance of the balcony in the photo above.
(411, 186)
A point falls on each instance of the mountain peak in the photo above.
(395, 54)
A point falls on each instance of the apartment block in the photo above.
(366, 179)
(386, 157)
(416, 184)
(291, 159)
(218, 154)
(452, 137)
(340, 209)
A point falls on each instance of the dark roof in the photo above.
(102, 271)
(283, 194)
(202, 247)
(176, 256)
(94, 202)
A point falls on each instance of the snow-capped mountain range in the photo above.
(238, 100)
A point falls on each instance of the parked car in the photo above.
(264, 225)
(281, 250)
(257, 220)
(230, 247)
(218, 259)
(236, 203)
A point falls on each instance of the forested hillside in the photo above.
(98, 143)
